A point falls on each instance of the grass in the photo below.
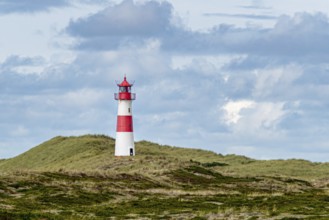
(79, 178)
(47, 195)
(91, 153)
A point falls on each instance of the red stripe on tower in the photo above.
(125, 123)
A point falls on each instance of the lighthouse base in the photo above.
(124, 144)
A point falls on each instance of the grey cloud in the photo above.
(109, 43)
(96, 2)
(13, 82)
(31, 6)
(15, 61)
(127, 23)
(254, 7)
(125, 19)
(83, 72)
(248, 63)
(302, 37)
(248, 16)
(308, 121)
(255, 4)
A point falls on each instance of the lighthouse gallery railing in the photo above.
(124, 96)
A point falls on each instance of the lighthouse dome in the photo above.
(125, 83)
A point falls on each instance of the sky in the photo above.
(247, 77)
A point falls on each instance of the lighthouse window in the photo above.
(123, 89)
(129, 110)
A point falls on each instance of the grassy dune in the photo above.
(79, 178)
(95, 153)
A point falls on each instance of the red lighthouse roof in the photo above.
(125, 83)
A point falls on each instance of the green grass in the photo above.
(290, 168)
(86, 152)
(38, 195)
(94, 153)
(79, 178)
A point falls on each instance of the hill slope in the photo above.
(60, 152)
(95, 153)
(79, 178)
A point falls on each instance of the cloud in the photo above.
(232, 110)
(250, 118)
(248, 16)
(125, 19)
(31, 6)
(19, 64)
(300, 38)
(276, 83)
(121, 24)
(19, 131)
(256, 4)
(276, 106)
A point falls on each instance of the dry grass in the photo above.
(94, 153)
(79, 178)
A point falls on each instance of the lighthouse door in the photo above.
(131, 152)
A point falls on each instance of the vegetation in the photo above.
(79, 178)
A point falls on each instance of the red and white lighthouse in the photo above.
(124, 143)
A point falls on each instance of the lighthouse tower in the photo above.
(124, 143)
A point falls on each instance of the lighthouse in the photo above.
(124, 143)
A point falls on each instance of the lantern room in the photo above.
(125, 91)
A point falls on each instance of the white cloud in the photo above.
(254, 119)
(270, 82)
(83, 98)
(233, 109)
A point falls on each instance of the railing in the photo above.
(124, 96)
